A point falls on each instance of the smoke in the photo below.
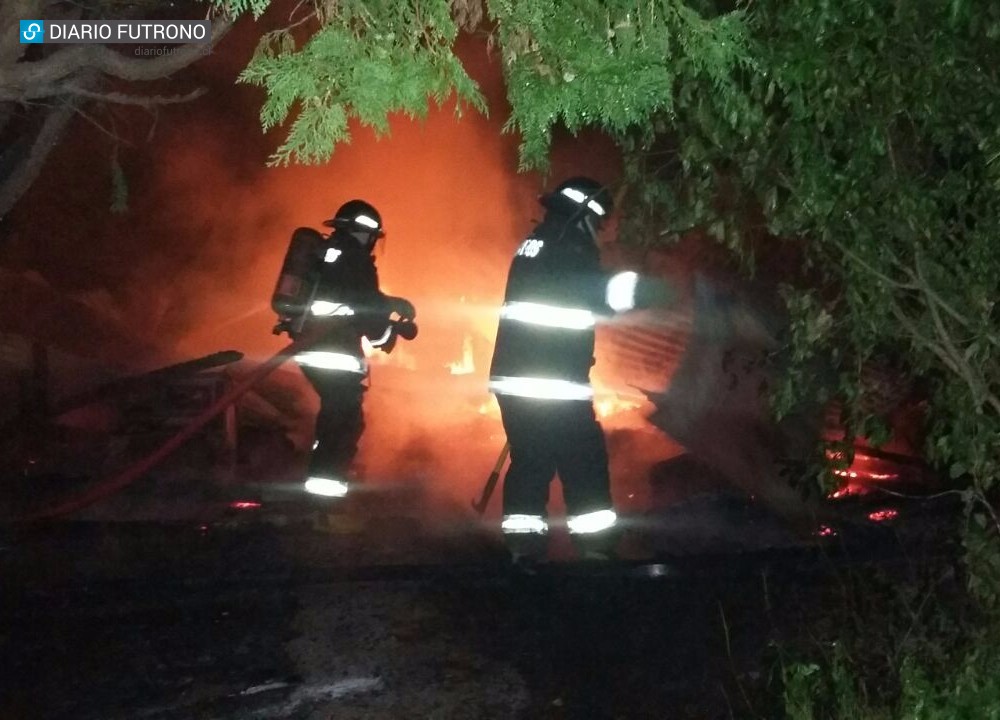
(194, 261)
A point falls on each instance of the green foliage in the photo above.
(899, 643)
(814, 691)
(865, 138)
(365, 61)
(861, 136)
(615, 65)
(970, 690)
(239, 7)
(903, 646)
(873, 153)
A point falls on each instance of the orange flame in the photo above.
(466, 365)
(608, 404)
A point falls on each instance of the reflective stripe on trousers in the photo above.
(586, 524)
(328, 487)
(592, 522)
(519, 524)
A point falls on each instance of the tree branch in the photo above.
(140, 100)
(935, 297)
(980, 390)
(915, 333)
(14, 185)
(48, 77)
(877, 273)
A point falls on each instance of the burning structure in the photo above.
(189, 269)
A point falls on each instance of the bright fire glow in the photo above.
(608, 404)
(863, 469)
(229, 302)
(882, 515)
(847, 491)
(466, 365)
(865, 475)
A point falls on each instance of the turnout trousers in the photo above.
(550, 437)
(339, 423)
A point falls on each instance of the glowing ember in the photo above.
(826, 531)
(865, 475)
(858, 474)
(847, 491)
(882, 515)
(244, 505)
(465, 366)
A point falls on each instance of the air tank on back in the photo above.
(299, 275)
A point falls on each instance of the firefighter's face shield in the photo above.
(592, 225)
(366, 238)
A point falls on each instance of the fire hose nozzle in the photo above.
(406, 329)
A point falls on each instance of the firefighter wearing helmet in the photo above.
(329, 285)
(540, 374)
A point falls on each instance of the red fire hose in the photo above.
(140, 468)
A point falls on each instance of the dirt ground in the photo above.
(377, 613)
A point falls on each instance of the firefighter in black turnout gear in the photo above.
(540, 374)
(330, 285)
